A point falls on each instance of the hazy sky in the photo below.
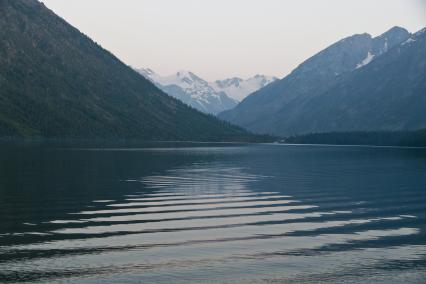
(222, 38)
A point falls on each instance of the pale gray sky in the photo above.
(222, 38)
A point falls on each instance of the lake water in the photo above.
(235, 214)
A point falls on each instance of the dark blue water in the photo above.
(236, 214)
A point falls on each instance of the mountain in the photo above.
(387, 94)
(192, 90)
(56, 82)
(208, 97)
(360, 83)
(238, 88)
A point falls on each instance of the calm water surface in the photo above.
(237, 214)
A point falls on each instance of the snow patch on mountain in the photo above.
(238, 88)
(408, 41)
(209, 97)
(192, 90)
(366, 60)
(381, 44)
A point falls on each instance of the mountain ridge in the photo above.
(238, 88)
(57, 82)
(282, 107)
(208, 97)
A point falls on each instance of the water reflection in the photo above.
(245, 217)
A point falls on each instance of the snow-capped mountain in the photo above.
(238, 88)
(192, 90)
(208, 97)
(345, 87)
(381, 44)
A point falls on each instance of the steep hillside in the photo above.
(302, 102)
(56, 82)
(387, 94)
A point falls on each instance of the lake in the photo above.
(212, 214)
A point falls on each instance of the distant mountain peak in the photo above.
(414, 37)
(388, 40)
(238, 88)
(351, 53)
(210, 97)
(395, 30)
(420, 33)
(234, 81)
(186, 74)
(192, 90)
(85, 92)
(349, 39)
(345, 76)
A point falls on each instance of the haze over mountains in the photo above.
(357, 84)
(56, 82)
(239, 89)
(208, 97)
